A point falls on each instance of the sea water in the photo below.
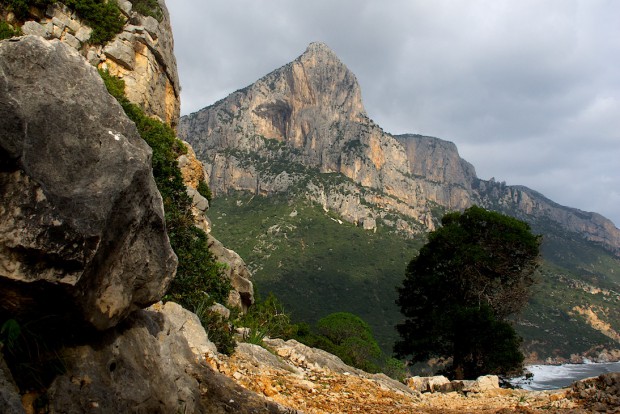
(551, 377)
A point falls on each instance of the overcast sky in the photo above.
(529, 90)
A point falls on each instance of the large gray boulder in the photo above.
(82, 230)
(149, 364)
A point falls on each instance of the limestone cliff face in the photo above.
(303, 128)
(142, 54)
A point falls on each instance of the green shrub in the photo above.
(9, 333)
(394, 368)
(148, 8)
(204, 190)
(352, 340)
(267, 318)
(7, 32)
(31, 351)
(199, 280)
(219, 330)
(103, 16)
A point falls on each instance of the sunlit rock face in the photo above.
(142, 54)
(307, 118)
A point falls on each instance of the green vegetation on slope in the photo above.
(313, 264)
(549, 324)
(148, 8)
(316, 267)
(21, 8)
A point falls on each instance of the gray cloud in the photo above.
(528, 90)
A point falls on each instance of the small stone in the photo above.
(83, 33)
(49, 12)
(73, 25)
(71, 41)
(221, 310)
(93, 57)
(58, 23)
(152, 26)
(122, 53)
(57, 32)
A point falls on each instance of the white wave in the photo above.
(549, 377)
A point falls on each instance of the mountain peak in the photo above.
(319, 48)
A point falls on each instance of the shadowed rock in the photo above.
(150, 363)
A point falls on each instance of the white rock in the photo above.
(427, 384)
(152, 26)
(83, 33)
(482, 384)
(221, 310)
(122, 53)
(71, 40)
(58, 23)
(125, 7)
(73, 25)
(57, 31)
(34, 28)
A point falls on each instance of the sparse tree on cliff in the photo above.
(474, 272)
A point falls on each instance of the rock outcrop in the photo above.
(142, 54)
(307, 118)
(82, 220)
(242, 293)
(151, 363)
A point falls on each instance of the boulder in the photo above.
(82, 229)
(305, 358)
(33, 28)
(146, 365)
(188, 325)
(259, 356)
(437, 383)
(484, 383)
(242, 295)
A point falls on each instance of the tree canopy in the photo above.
(475, 271)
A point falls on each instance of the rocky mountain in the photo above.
(308, 116)
(327, 208)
